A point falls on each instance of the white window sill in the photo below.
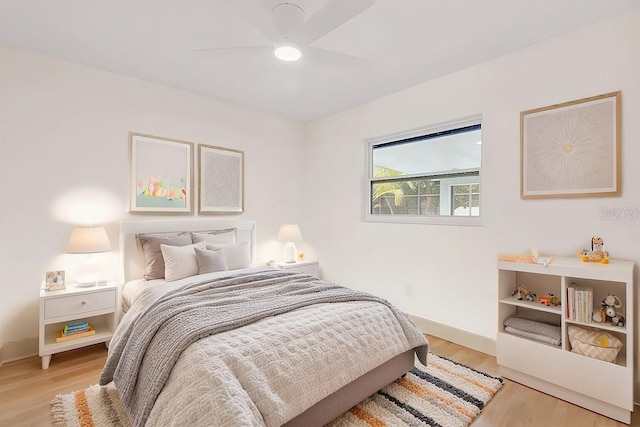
(471, 221)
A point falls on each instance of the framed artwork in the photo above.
(54, 280)
(161, 174)
(571, 149)
(221, 179)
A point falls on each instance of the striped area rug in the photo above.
(444, 393)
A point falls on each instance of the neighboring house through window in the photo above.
(427, 175)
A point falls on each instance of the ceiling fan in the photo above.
(291, 31)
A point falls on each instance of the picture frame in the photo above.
(160, 174)
(54, 280)
(571, 149)
(220, 180)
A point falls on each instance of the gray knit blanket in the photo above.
(142, 354)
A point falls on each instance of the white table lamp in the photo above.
(88, 240)
(290, 233)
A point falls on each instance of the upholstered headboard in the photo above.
(132, 257)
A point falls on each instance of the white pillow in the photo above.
(225, 237)
(210, 261)
(180, 261)
(238, 256)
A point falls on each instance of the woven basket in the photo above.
(594, 343)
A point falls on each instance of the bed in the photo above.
(244, 345)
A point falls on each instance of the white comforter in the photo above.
(268, 372)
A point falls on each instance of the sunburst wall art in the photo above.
(571, 149)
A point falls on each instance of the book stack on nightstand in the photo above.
(75, 330)
(307, 267)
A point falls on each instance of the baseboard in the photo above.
(458, 336)
(17, 350)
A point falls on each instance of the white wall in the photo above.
(64, 131)
(447, 274)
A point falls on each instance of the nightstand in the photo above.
(97, 305)
(307, 267)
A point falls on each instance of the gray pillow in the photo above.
(210, 261)
(154, 262)
(237, 256)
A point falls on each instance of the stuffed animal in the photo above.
(617, 320)
(600, 316)
(609, 305)
(596, 254)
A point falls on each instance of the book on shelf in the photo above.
(579, 303)
(61, 337)
(76, 325)
(82, 323)
(70, 328)
(571, 301)
(75, 331)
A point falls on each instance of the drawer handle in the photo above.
(83, 302)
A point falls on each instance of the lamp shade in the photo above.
(88, 240)
(290, 233)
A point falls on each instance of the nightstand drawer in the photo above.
(79, 304)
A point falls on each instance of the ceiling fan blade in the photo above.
(334, 14)
(258, 15)
(227, 48)
(324, 57)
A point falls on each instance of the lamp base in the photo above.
(87, 273)
(290, 253)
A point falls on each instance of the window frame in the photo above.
(369, 180)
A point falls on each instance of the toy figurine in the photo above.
(523, 294)
(549, 300)
(596, 254)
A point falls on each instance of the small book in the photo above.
(75, 331)
(60, 337)
(83, 323)
(75, 327)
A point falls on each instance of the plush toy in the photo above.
(609, 305)
(600, 316)
(523, 294)
(617, 320)
(596, 254)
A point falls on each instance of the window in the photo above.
(465, 199)
(428, 175)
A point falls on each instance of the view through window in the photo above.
(433, 174)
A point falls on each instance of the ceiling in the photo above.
(398, 43)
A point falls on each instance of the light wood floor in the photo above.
(26, 390)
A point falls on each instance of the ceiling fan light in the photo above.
(287, 53)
